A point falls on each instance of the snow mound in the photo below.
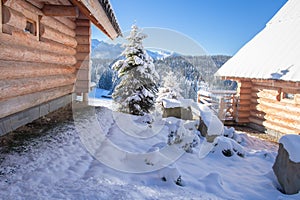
(291, 144)
(227, 147)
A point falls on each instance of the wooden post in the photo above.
(85, 97)
(221, 114)
(0, 16)
(38, 27)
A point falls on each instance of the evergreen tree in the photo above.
(136, 92)
(171, 88)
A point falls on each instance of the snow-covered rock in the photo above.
(287, 164)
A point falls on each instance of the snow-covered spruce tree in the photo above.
(136, 92)
(171, 88)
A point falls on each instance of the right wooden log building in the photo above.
(267, 70)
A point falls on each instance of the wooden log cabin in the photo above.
(45, 54)
(267, 70)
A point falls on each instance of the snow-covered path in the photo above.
(58, 166)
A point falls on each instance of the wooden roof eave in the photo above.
(96, 14)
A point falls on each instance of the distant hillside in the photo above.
(189, 70)
(104, 50)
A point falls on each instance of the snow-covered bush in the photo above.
(136, 92)
(179, 134)
(228, 147)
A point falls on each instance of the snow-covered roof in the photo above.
(273, 53)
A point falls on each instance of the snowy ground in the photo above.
(63, 163)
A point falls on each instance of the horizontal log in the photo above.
(245, 91)
(15, 53)
(85, 64)
(24, 102)
(82, 56)
(36, 3)
(24, 7)
(245, 84)
(13, 18)
(19, 38)
(257, 114)
(83, 39)
(60, 10)
(260, 87)
(277, 112)
(83, 48)
(57, 25)
(277, 84)
(244, 102)
(83, 30)
(242, 120)
(66, 21)
(17, 70)
(297, 98)
(286, 107)
(82, 86)
(8, 29)
(83, 22)
(274, 126)
(245, 97)
(243, 115)
(19, 87)
(52, 34)
(83, 75)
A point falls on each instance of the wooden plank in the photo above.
(15, 53)
(57, 25)
(26, 40)
(51, 34)
(94, 11)
(18, 70)
(24, 102)
(19, 87)
(66, 21)
(60, 10)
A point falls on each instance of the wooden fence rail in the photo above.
(222, 102)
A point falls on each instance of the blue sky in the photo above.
(219, 26)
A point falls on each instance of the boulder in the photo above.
(178, 112)
(287, 166)
(203, 130)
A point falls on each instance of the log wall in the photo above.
(264, 104)
(243, 105)
(83, 34)
(40, 64)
